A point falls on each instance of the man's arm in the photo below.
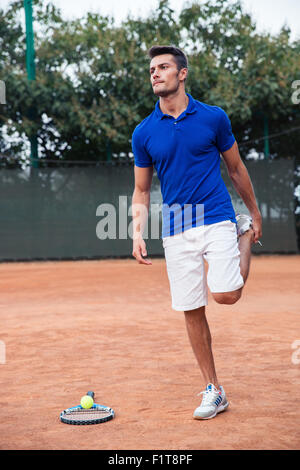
(243, 186)
(140, 210)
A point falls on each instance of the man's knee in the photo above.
(228, 298)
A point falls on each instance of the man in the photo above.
(183, 139)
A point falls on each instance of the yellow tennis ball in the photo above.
(86, 402)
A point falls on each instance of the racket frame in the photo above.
(95, 406)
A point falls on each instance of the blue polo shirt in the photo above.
(186, 155)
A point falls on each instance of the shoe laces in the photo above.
(209, 394)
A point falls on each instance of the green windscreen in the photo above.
(51, 213)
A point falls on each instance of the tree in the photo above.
(93, 87)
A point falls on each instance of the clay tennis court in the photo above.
(108, 326)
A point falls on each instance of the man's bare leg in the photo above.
(245, 243)
(196, 322)
(200, 339)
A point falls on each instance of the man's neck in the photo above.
(174, 104)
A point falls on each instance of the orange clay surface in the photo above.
(108, 326)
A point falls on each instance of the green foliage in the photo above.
(92, 81)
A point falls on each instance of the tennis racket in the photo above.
(94, 415)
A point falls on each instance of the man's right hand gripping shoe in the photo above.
(214, 401)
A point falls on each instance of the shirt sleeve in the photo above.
(141, 156)
(225, 138)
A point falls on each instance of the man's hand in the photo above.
(139, 251)
(257, 226)
(243, 186)
(140, 210)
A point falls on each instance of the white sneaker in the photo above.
(214, 401)
(244, 223)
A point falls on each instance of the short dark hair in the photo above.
(179, 56)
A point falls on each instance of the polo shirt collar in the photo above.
(191, 108)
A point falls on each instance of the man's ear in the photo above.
(183, 74)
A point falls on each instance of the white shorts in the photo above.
(185, 254)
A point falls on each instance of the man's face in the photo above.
(164, 75)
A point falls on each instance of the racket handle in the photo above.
(91, 394)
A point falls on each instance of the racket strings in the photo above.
(87, 415)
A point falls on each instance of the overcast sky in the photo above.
(270, 15)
